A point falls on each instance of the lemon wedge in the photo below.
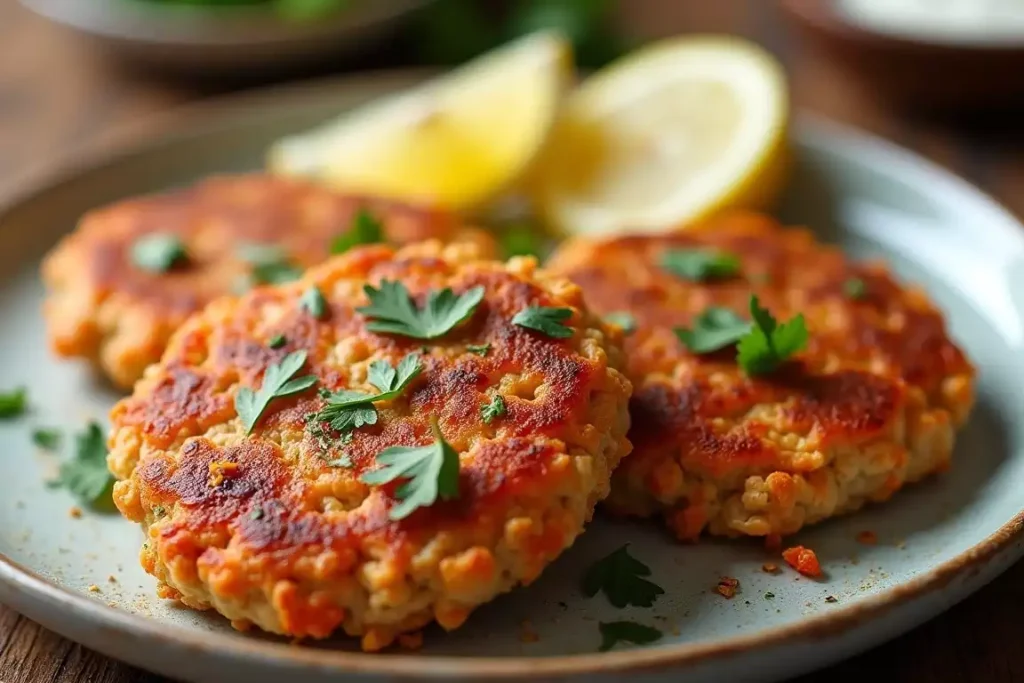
(458, 140)
(665, 136)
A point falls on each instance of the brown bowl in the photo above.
(908, 70)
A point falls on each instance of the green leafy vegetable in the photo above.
(430, 472)
(158, 252)
(479, 349)
(855, 288)
(769, 344)
(13, 403)
(623, 320)
(615, 632)
(313, 301)
(86, 475)
(700, 264)
(494, 409)
(277, 341)
(270, 264)
(277, 383)
(620, 576)
(715, 328)
(393, 311)
(47, 439)
(546, 320)
(347, 410)
(365, 229)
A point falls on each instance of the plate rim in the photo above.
(205, 117)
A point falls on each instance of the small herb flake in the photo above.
(521, 239)
(343, 461)
(159, 511)
(13, 403)
(277, 341)
(270, 264)
(392, 311)
(714, 329)
(429, 472)
(700, 265)
(257, 513)
(855, 288)
(769, 344)
(314, 303)
(278, 382)
(623, 320)
(479, 349)
(544, 319)
(365, 229)
(620, 576)
(494, 409)
(158, 252)
(47, 438)
(615, 632)
(86, 475)
(346, 410)
(769, 596)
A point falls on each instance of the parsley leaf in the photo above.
(620, 576)
(700, 264)
(48, 439)
(855, 288)
(346, 410)
(344, 461)
(13, 403)
(365, 229)
(520, 239)
(277, 341)
(86, 475)
(768, 344)
(277, 383)
(494, 409)
(313, 301)
(615, 632)
(158, 252)
(479, 349)
(270, 264)
(393, 311)
(430, 472)
(623, 320)
(714, 329)
(546, 320)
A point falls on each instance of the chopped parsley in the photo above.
(391, 310)
(277, 341)
(270, 264)
(429, 472)
(615, 632)
(479, 349)
(855, 288)
(546, 320)
(314, 303)
(520, 239)
(159, 511)
(13, 403)
(715, 328)
(86, 475)
(278, 382)
(47, 438)
(257, 513)
(700, 264)
(620, 576)
(623, 320)
(769, 344)
(344, 461)
(158, 252)
(346, 410)
(365, 229)
(494, 409)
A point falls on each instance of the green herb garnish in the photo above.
(86, 475)
(494, 409)
(715, 328)
(257, 513)
(479, 349)
(313, 301)
(277, 341)
(347, 410)
(430, 472)
(158, 252)
(47, 438)
(277, 383)
(622, 320)
(392, 310)
(365, 229)
(343, 461)
(270, 264)
(769, 596)
(768, 344)
(855, 288)
(520, 239)
(546, 320)
(615, 632)
(700, 264)
(13, 403)
(620, 576)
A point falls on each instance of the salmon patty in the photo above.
(487, 388)
(871, 402)
(132, 272)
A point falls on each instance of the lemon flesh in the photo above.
(456, 141)
(665, 136)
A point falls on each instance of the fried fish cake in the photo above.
(279, 528)
(871, 403)
(104, 307)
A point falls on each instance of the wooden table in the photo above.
(56, 92)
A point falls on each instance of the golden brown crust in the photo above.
(263, 530)
(870, 403)
(106, 309)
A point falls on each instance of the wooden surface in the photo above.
(57, 92)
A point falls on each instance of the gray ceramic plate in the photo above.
(938, 541)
